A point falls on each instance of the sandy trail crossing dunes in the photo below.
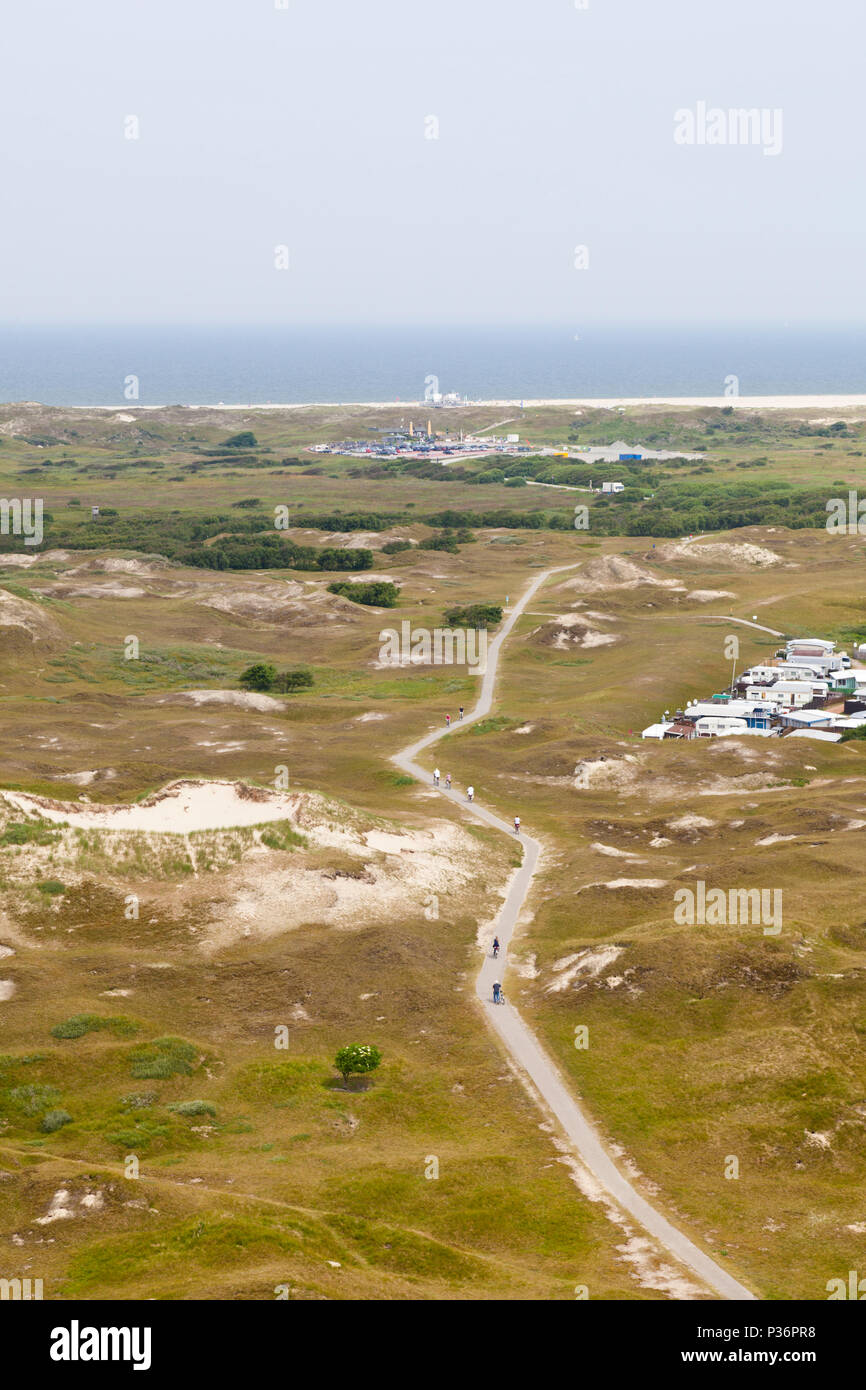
(177, 809)
(522, 1044)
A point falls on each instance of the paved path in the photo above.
(519, 1039)
(726, 618)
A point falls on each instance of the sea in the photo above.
(209, 364)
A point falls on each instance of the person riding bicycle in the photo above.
(517, 825)
(495, 947)
(470, 792)
(448, 780)
(436, 777)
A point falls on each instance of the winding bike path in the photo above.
(518, 1037)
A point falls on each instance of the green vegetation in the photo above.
(477, 615)
(192, 1108)
(30, 1100)
(163, 1058)
(379, 593)
(263, 676)
(54, 1120)
(79, 1024)
(281, 834)
(30, 832)
(357, 1059)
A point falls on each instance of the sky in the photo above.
(431, 162)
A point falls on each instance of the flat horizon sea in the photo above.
(224, 365)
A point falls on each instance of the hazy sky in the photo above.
(307, 127)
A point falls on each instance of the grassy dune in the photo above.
(706, 1043)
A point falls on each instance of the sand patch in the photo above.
(583, 966)
(526, 967)
(263, 603)
(707, 595)
(243, 699)
(7, 990)
(176, 810)
(735, 554)
(816, 1140)
(690, 822)
(20, 617)
(396, 874)
(605, 772)
(107, 589)
(616, 572)
(631, 883)
(615, 853)
(146, 567)
(60, 1208)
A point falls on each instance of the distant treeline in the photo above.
(650, 505)
(274, 553)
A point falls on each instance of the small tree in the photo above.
(357, 1059)
(260, 676)
(293, 680)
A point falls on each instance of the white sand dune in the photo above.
(176, 810)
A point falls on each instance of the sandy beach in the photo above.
(845, 402)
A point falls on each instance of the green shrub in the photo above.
(55, 1119)
(357, 1059)
(79, 1024)
(163, 1058)
(280, 835)
(260, 676)
(377, 593)
(30, 1100)
(192, 1107)
(287, 681)
(52, 887)
(38, 832)
(139, 1100)
(476, 615)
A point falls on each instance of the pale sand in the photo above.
(606, 403)
(176, 810)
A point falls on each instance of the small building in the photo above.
(822, 735)
(612, 487)
(805, 718)
(792, 694)
(714, 726)
(658, 731)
